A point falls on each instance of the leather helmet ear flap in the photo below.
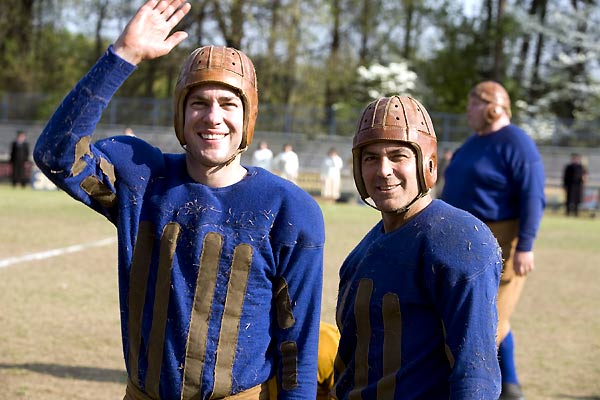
(492, 113)
(496, 95)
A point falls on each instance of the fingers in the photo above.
(146, 36)
(175, 39)
(179, 13)
(168, 7)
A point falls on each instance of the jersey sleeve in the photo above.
(297, 297)
(464, 285)
(65, 152)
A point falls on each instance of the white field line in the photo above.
(55, 252)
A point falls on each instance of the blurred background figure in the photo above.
(331, 175)
(574, 177)
(287, 163)
(263, 156)
(443, 162)
(19, 159)
(497, 174)
(128, 132)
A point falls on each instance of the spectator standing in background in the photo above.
(287, 163)
(574, 177)
(497, 174)
(19, 159)
(331, 175)
(263, 156)
(128, 132)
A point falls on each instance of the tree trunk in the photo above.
(498, 69)
(539, 48)
(332, 65)
(409, 10)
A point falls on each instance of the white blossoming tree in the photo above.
(386, 80)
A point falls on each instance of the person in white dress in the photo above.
(287, 163)
(263, 156)
(331, 175)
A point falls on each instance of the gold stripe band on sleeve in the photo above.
(203, 298)
(283, 304)
(289, 367)
(99, 191)
(449, 354)
(82, 148)
(168, 244)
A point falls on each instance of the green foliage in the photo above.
(307, 52)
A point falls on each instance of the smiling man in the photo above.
(417, 297)
(220, 264)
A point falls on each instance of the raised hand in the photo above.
(146, 36)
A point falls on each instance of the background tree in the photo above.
(308, 52)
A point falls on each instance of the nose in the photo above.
(213, 114)
(385, 167)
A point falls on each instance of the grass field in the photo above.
(59, 316)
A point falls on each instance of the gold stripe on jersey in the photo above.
(203, 298)
(342, 303)
(285, 315)
(109, 170)
(168, 244)
(363, 337)
(392, 346)
(98, 191)
(230, 323)
(82, 148)
(138, 280)
(449, 354)
(289, 365)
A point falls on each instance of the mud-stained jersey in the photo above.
(417, 311)
(220, 288)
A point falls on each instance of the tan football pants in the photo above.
(260, 392)
(511, 285)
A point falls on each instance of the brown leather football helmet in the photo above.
(222, 65)
(497, 98)
(399, 119)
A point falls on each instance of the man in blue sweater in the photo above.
(498, 176)
(220, 264)
(417, 297)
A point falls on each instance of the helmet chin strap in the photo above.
(228, 161)
(401, 210)
(409, 205)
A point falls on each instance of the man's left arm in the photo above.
(298, 294)
(466, 299)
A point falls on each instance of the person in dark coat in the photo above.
(19, 158)
(574, 177)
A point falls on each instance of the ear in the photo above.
(430, 173)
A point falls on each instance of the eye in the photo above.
(197, 103)
(400, 156)
(368, 158)
(231, 103)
